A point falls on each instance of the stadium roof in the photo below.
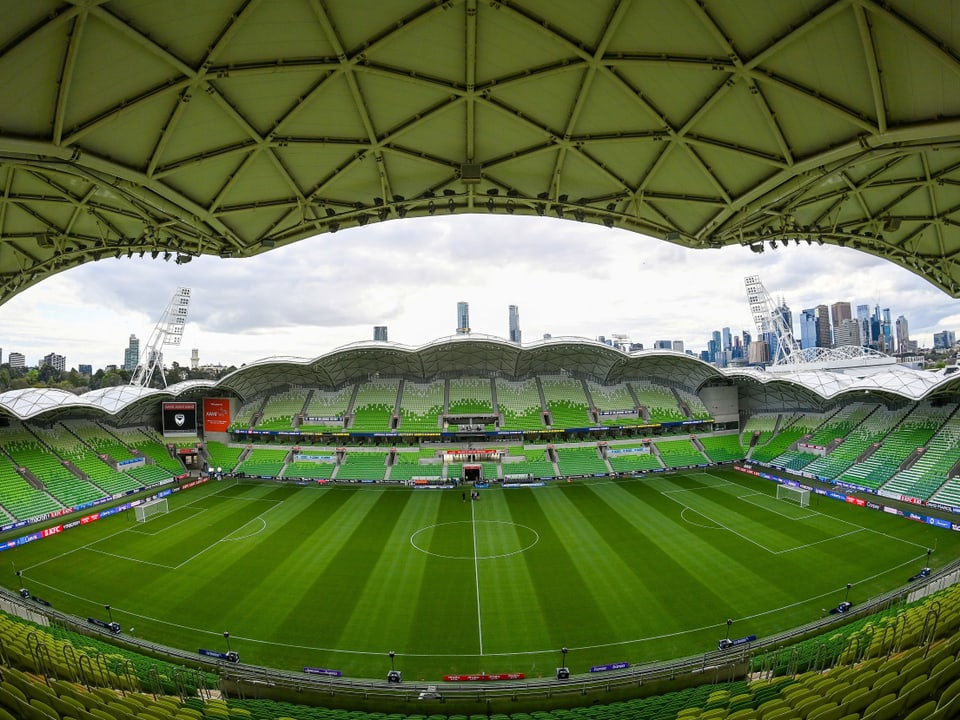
(229, 127)
(473, 355)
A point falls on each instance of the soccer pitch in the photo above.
(336, 577)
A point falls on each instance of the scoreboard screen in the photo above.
(180, 418)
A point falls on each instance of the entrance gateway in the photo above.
(470, 459)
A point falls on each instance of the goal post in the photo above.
(796, 495)
(151, 508)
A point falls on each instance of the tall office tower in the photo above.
(839, 312)
(808, 328)
(823, 326)
(727, 338)
(848, 333)
(758, 353)
(17, 360)
(715, 346)
(786, 314)
(57, 362)
(663, 345)
(747, 338)
(863, 317)
(131, 355)
(514, 324)
(886, 331)
(195, 358)
(677, 346)
(380, 333)
(463, 318)
(903, 335)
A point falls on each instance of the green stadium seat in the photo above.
(924, 712)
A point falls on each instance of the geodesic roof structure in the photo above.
(484, 356)
(230, 127)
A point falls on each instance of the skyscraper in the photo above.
(380, 333)
(727, 338)
(823, 326)
(514, 324)
(839, 312)
(847, 333)
(808, 328)
(903, 335)
(463, 318)
(131, 355)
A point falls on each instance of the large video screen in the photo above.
(180, 418)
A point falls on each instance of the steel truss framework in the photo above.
(748, 123)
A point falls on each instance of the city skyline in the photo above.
(569, 279)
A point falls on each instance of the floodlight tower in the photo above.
(169, 331)
(768, 319)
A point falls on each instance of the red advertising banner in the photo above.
(216, 414)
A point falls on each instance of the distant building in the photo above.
(514, 326)
(663, 345)
(463, 318)
(17, 360)
(57, 362)
(808, 328)
(547, 336)
(839, 312)
(759, 353)
(823, 326)
(903, 335)
(941, 341)
(677, 346)
(380, 333)
(131, 355)
(848, 333)
(85, 370)
(195, 358)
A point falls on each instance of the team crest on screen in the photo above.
(179, 419)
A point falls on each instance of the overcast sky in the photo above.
(568, 279)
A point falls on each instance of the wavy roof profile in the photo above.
(230, 127)
(470, 355)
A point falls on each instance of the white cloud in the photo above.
(568, 278)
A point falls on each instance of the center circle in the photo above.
(476, 540)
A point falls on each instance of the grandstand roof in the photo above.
(229, 127)
(471, 355)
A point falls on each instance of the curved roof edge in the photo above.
(480, 354)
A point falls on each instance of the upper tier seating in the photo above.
(326, 404)
(565, 401)
(374, 405)
(281, 409)
(659, 400)
(519, 402)
(420, 406)
(470, 396)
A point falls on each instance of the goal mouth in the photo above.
(796, 495)
(151, 508)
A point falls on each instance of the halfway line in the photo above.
(476, 570)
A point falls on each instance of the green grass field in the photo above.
(636, 570)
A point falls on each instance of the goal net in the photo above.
(151, 508)
(794, 494)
